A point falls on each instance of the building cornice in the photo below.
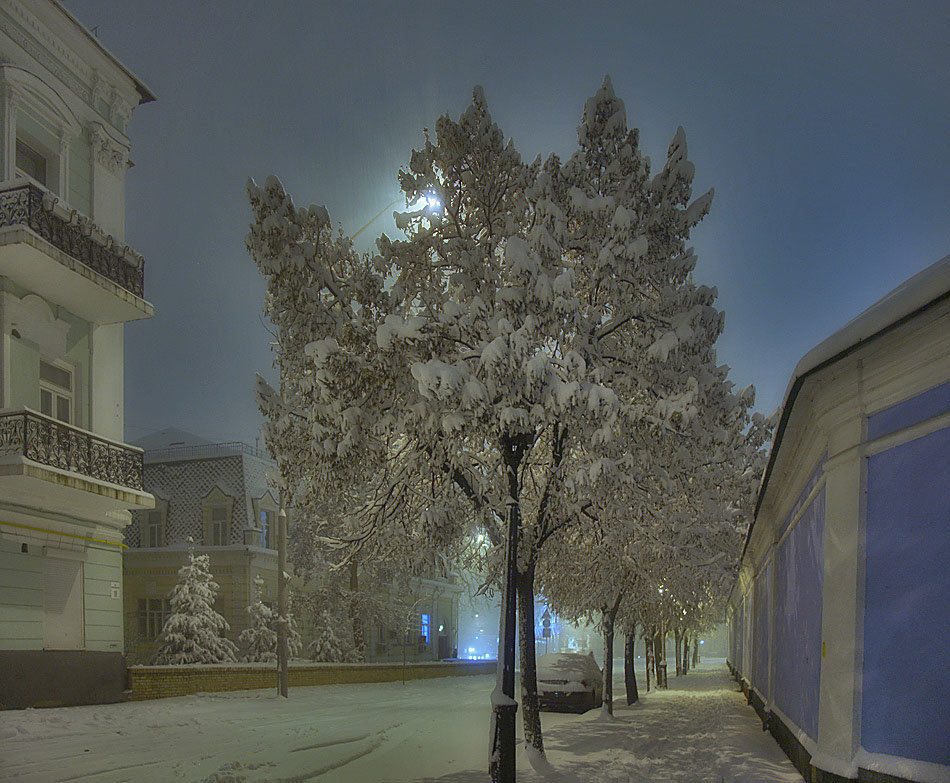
(83, 79)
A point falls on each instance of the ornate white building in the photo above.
(68, 284)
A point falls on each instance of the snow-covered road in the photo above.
(700, 730)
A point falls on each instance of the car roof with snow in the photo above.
(565, 665)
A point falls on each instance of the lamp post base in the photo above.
(502, 764)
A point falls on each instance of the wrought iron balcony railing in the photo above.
(29, 205)
(50, 442)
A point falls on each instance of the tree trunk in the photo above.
(685, 652)
(629, 659)
(530, 713)
(359, 643)
(608, 699)
(678, 650)
(659, 656)
(695, 652)
(609, 614)
(647, 658)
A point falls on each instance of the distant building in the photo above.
(68, 283)
(217, 495)
(839, 619)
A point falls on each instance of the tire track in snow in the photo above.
(108, 771)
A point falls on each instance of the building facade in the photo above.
(68, 284)
(839, 619)
(215, 497)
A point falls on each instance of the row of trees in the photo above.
(195, 632)
(533, 357)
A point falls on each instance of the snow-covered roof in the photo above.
(916, 293)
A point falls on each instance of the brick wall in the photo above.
(158, 682)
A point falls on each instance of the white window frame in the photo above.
(31, 149)
(58, 393)
(155, 528)
(217, 518)
(218, 528)
(23, 90)
(152, 614)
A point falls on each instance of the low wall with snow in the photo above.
(159, 682)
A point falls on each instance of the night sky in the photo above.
(823, 127)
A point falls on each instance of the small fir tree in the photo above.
(328, 647)
(194, 631)
(260, 637)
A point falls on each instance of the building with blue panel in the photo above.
(840, 616)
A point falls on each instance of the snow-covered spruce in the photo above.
(260, 637)
(328, 647)
(194, 632)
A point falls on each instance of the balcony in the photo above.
(67, 259)
(53, 466)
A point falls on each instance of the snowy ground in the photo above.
(434, 730)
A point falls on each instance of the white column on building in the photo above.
(842, 603)
(8, 131)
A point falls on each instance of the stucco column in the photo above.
(109, 163)
(7, 131)
(107, 392)
(839, 702)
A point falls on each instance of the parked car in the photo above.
(569, 682)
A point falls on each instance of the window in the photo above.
(267, 529)
(153, 528)
(56, 391)
(219, 526)
(153, 612)
(29, 162)
(424, 626)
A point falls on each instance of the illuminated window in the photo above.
(424, 626)
(267, 529)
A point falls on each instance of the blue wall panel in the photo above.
(799, 567)
(760, 631)
(905, 414)
(906, 689)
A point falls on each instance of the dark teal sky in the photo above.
(823, 127)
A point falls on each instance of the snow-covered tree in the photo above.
(194, 632)
(328, 647)
(260, 637)
(526, 346)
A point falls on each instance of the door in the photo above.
(63, 603)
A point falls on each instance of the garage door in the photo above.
(63, 624)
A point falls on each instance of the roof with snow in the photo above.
(915, 295)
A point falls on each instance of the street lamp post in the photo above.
(282, 611)
(501, 765)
